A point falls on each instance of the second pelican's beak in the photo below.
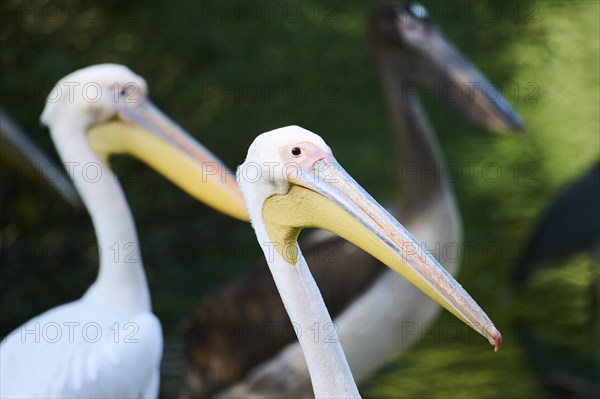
(146, 133)
(413, 50)
(466, 88)
(323, 195)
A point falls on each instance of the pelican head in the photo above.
(109, 104)
(93, 95)
(404, 34)
(291, 181)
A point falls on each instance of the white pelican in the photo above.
(290, 181)
(108, 344)
(410, 52)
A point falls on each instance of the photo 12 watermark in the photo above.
(71, 332)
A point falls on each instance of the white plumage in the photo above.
(108, 343)
(296, 184)
(83, 349)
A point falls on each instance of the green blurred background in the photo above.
(226, 74)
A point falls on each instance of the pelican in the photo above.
(570, 224)
(409, 51)
(108, 344)
(17, 145)
(290, 181)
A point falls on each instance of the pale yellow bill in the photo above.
(327, 197)
(144, 132)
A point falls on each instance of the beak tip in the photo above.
(520, 127)
(513, 124)
(497, 341)
(516, 123)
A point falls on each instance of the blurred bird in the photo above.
(319, 193)
(23, 152)
(569, 225)
(236, 341)
(108, 343)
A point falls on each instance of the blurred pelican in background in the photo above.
(409, 51)
(569, 225)
(318, 193)
(108, 344)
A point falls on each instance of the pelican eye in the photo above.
(417, 10)
(128, 89)
(296, 151)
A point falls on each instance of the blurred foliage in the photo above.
(228, 71)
